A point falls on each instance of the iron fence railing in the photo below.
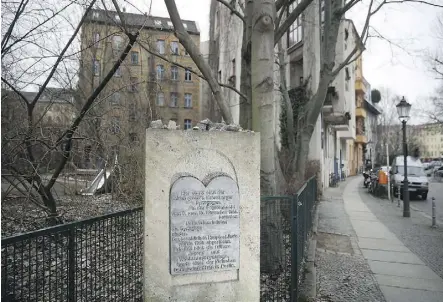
(98, 259)
(285, 224)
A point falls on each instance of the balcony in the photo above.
(360, 112)
(359, 85)
(327, 105)
(361, 139)
(337, 120)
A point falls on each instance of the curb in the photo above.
(311, 272)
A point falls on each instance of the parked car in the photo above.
(417, 180)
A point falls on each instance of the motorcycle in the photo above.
(367, 179)
(373, 183)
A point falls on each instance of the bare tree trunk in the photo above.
(262, 62)
(263, 118)
(186, 40)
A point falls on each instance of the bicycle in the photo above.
(332, 180)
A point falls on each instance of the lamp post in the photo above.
(403, 109)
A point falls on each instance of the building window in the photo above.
(174, 48)
(96, 67)
(117, 43)
(188, 75)
(132, 112)
(160, 72)
(233, 67)
(115, 125)
(188, 100)
(295, 33)
(187, 124)
(133, 85)
(96, 40)
(161, 46)
(174, 99)
(118, 72)
(134, 57)
(185, 25)
(160, 99)
(174, 73)
(348, 77)
(115, 98)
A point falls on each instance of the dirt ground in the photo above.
(20, 216)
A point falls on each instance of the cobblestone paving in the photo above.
(342, 275)
(345, 278)
(415, 232)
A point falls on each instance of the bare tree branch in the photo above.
(413, 1)
(68, 44)
(6, 49)
(193, 51)
(280, 31)
(20, 10)
(69, 133)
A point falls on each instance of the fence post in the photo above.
(294, 248)
(71, 265)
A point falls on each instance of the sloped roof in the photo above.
(50, 95)
(137, 20)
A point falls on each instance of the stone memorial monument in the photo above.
(202, 216)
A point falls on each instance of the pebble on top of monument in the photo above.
(204, 225)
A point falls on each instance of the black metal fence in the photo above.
(285, 224)
(98, 259)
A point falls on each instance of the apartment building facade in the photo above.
(430, 137)
(332, 142)
(333, 139)
(366, 116)
(151, 82)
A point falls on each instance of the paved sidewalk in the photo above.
(343, 274)
(400, 274)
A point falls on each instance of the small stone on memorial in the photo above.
(172, 125)
(232, 127)
(158, 124)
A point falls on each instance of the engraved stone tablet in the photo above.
(204, 225)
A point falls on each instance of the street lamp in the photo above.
(403, 109)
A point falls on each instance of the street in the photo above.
(425, 206)
(415, 232)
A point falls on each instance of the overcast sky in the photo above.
(410, 26)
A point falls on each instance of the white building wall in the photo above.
(345, 86)
(229, 30)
